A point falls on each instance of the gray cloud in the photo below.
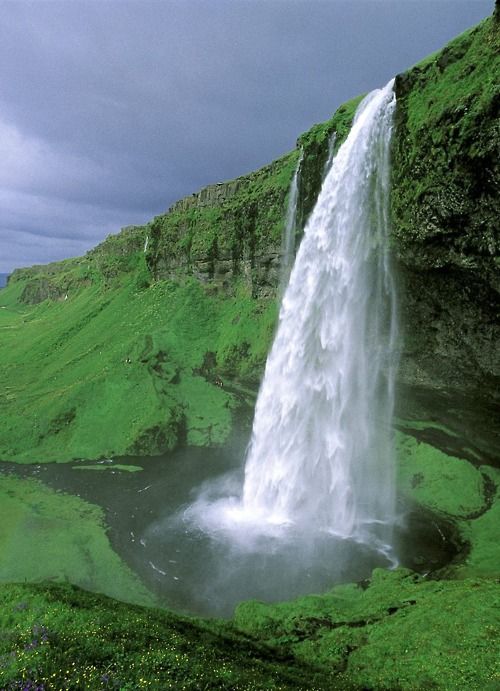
(109, 111)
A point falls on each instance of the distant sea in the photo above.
(3, 280)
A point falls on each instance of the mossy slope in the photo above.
(122, 370)
(46, 535)
(401, 632)
(466, 496)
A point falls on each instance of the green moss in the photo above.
(437, 481)
(469, 497)
(340, 123)
(244, 216)
(232, 229)
(420, 425)
(46, 535)
(483, 558)
(444, 195)
(315, 149)
(88, 377)
(465, 66)
(401, 632)
(447, 132)
(113, 468)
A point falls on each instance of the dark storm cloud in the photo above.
(109, 111)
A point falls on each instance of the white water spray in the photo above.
(321, 452)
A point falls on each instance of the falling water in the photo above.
(331, 154)
(321, 453)
(290, 233)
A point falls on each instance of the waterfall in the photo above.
(289, 235)
(331, 154)
(320, 454)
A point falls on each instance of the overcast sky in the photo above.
(110, 111)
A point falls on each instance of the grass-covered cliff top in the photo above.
(445, 197)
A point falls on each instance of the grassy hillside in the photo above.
(57, 637)
(122, 370)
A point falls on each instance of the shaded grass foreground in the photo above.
(400, 632)
(58, 637)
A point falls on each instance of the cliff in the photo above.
(445, 214)
(233, 231)
(124, 350)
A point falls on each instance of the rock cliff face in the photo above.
(225, 232)
(233, 231)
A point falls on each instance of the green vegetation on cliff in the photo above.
(122, 370)
(46, 535)
(466, 496)
(445, 213)
(446, 159)
(234, 230)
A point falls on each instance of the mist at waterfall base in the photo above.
(316, 504)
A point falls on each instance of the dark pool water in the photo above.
(191, 572)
